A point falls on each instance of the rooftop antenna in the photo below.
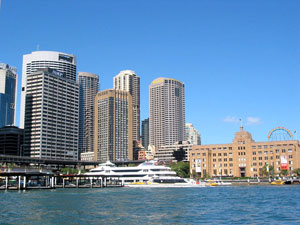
(241, 124)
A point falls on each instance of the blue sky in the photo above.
(238, 59)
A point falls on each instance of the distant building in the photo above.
(61, 62)
(145, 133)
(88, 89)
(244, 157)
(113, 126)
(11, 141)
(174, 152)
(8, 90)
(87, 156)
(192, 135)
(167, 112)
(127, 80)
(51, 116)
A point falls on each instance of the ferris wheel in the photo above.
(280, 134)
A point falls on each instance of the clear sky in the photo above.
(238, 59)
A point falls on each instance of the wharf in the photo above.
(41, 180)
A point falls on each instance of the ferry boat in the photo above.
(142, 173)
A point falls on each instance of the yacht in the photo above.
(144, 172)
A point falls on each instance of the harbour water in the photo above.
(208, 205)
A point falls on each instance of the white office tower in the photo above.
(88, 89)
(127, 80)
(59, 61)
(51, 116)
(192, 135)
(167, 112)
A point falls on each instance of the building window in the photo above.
(253, 153)
(283, 150)
(230, 159)
(259, 158)
(266, 158)
(290, 156)
(277, 157)
(254, 158)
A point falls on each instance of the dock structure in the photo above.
(42, 180)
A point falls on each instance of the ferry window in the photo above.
(145, 170)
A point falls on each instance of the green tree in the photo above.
(297, 171)
(284, 172)
(181, 168)
(265, 171)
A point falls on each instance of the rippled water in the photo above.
(209, 205)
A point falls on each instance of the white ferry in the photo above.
(144, 172)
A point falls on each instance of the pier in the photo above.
(46, 180)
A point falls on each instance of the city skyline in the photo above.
(234, 64)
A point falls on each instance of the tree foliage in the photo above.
(181, 168)
(297, 171)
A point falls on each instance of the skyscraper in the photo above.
(59, 61)
(127, 80)
(113, 126)
(192, 135)
(88, 89)
(145, 133)
(167, 111)
(51, 116)
(8, 90)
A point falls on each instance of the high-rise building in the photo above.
(88, 89)
(8, 90)
(127, 80)
(113, 126)
(51, 116)
(11, 141)
(192, 135)
(167, 112)
(59, 61)
(145, 133)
